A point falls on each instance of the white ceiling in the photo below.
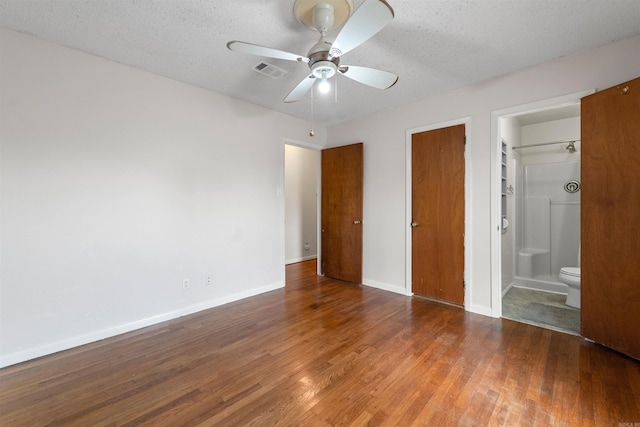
(433, 45)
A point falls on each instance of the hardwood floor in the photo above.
(324, 353)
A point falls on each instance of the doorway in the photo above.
(334, 248)
(537, 229)
(301, 202)
(541, 233)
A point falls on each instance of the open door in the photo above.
(437, 239)
(342, 170)
(610, 226)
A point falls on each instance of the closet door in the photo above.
(437, 199)
(610, 217)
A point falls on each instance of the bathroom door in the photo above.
(437, 182)
(610, 229)
(342, 180)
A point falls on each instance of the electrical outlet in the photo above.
(185, 284)
(208, 280)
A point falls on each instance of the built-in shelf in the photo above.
(503, 212)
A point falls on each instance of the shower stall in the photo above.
(548, 214)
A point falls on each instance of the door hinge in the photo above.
(464, 286)
(465, 140)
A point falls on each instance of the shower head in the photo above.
(571, 147)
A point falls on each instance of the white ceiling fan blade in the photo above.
(371, 17)
(254, 49)
(301, 89)
(369, 76)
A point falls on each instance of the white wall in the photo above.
(556, 130)
(301, 203)
(383, 134)
(116, 185)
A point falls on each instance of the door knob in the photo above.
(356, 222)
(414, 224)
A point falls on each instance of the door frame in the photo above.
(496, 192)
(409, 205)
(281, 193)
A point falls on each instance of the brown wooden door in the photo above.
(342, 169)
(437, 256)
(610, 218)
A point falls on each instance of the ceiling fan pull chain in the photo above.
(312, 133)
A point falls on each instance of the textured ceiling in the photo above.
(434, 46)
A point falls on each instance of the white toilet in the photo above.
(571, 277)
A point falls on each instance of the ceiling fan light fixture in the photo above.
(322, 69)
(324, 86)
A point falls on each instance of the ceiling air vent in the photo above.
(269, 70)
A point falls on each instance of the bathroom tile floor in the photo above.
(539, 308)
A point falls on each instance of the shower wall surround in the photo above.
(549, 216)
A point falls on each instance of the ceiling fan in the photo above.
(324, 57)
